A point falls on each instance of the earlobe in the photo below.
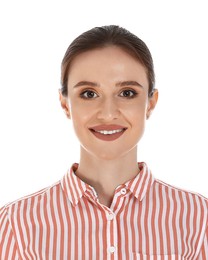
(64, 104)
(148, 114)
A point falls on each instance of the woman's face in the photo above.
(108, 101)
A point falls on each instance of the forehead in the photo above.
(111, 62)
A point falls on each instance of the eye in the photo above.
(88, 94)
(128, 93)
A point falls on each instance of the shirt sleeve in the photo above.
(8, 247)
(203, 255)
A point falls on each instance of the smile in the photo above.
(107, 132)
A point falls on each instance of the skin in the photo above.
(107, 164)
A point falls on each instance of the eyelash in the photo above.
(133, 94)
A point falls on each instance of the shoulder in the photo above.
(182, 197)
(178, 189)
(30, 201)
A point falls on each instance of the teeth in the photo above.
(105, 132)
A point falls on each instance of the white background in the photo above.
(37, 144)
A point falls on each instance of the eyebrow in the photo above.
(84, 83)
(118, 84)
(128, 83)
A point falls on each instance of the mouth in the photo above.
(108, 132)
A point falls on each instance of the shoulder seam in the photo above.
(38, 193)
(180, 189)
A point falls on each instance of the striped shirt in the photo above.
(147, 219)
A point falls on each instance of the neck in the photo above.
(105, 175)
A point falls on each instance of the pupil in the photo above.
(126, 93)
(90, 94)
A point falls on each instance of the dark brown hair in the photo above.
(100, 37)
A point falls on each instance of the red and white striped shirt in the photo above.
(148, 219)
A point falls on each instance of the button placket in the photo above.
(112, 232)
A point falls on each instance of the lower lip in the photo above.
(110, 137)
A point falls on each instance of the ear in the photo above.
(64, 104)
(152, 102)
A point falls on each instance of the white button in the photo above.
(110, 217)
(112, 249)
(123, 191)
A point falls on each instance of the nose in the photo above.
(108, 110)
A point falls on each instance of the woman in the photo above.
(108, 206)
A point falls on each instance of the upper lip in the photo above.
(107, 127)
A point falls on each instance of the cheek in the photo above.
(135, 111)
(80, 116)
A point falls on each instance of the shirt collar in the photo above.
(142, 182)
(75, 188)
